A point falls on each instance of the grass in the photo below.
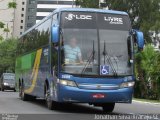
(146, 100)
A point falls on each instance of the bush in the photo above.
(147, 69)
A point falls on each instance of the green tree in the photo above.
(88, 3)
(6, 30)
(1, 38)
(1, 24)
(147, 72)
(7, 55)
(11, 5)
(155, 77)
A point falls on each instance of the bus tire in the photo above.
(19, 87)
(24, 96)
(20, 91)
(108, 107)
(48, 100)
(51, 105)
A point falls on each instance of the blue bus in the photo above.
(79, 55)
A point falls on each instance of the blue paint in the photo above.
(55, 34)
(91, 10)
(63, 93)
(139, 38)
(73, 94)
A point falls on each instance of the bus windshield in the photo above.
(91, 40)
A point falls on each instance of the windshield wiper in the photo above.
(91, 57)
(105, 54)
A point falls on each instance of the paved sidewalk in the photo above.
(146, 102)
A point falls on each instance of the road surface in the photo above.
(10, 103)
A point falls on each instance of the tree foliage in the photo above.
(147, 72)
(1, 38)
(88, 3)
(7, 55)
(6, 30)
(1, 24)
(13, 5)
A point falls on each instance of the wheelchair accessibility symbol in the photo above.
(104, 69)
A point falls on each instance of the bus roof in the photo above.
(76, 9)
(91, 10)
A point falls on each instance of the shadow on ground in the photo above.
(73, 108)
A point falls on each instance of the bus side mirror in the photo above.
(55, 34)
(139, 39)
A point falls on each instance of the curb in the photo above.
(146, 102)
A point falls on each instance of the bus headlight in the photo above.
(127, 84)
(68, 83)
(5, 83)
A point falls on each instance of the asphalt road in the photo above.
(10, 103)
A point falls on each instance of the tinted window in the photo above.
(36, 38)
(99, 38)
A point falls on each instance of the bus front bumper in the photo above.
(77, 95)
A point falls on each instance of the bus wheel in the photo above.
(51, 105)
(108, 107)
(48, 99)
(20, 92)
(24, 96)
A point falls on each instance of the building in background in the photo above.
(29, 12)
(45, 7)
(7, 17)
(20, 16)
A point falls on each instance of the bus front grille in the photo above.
(98, 86)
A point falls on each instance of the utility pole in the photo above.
(13, 21)
(7, 31)
(72, 3)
